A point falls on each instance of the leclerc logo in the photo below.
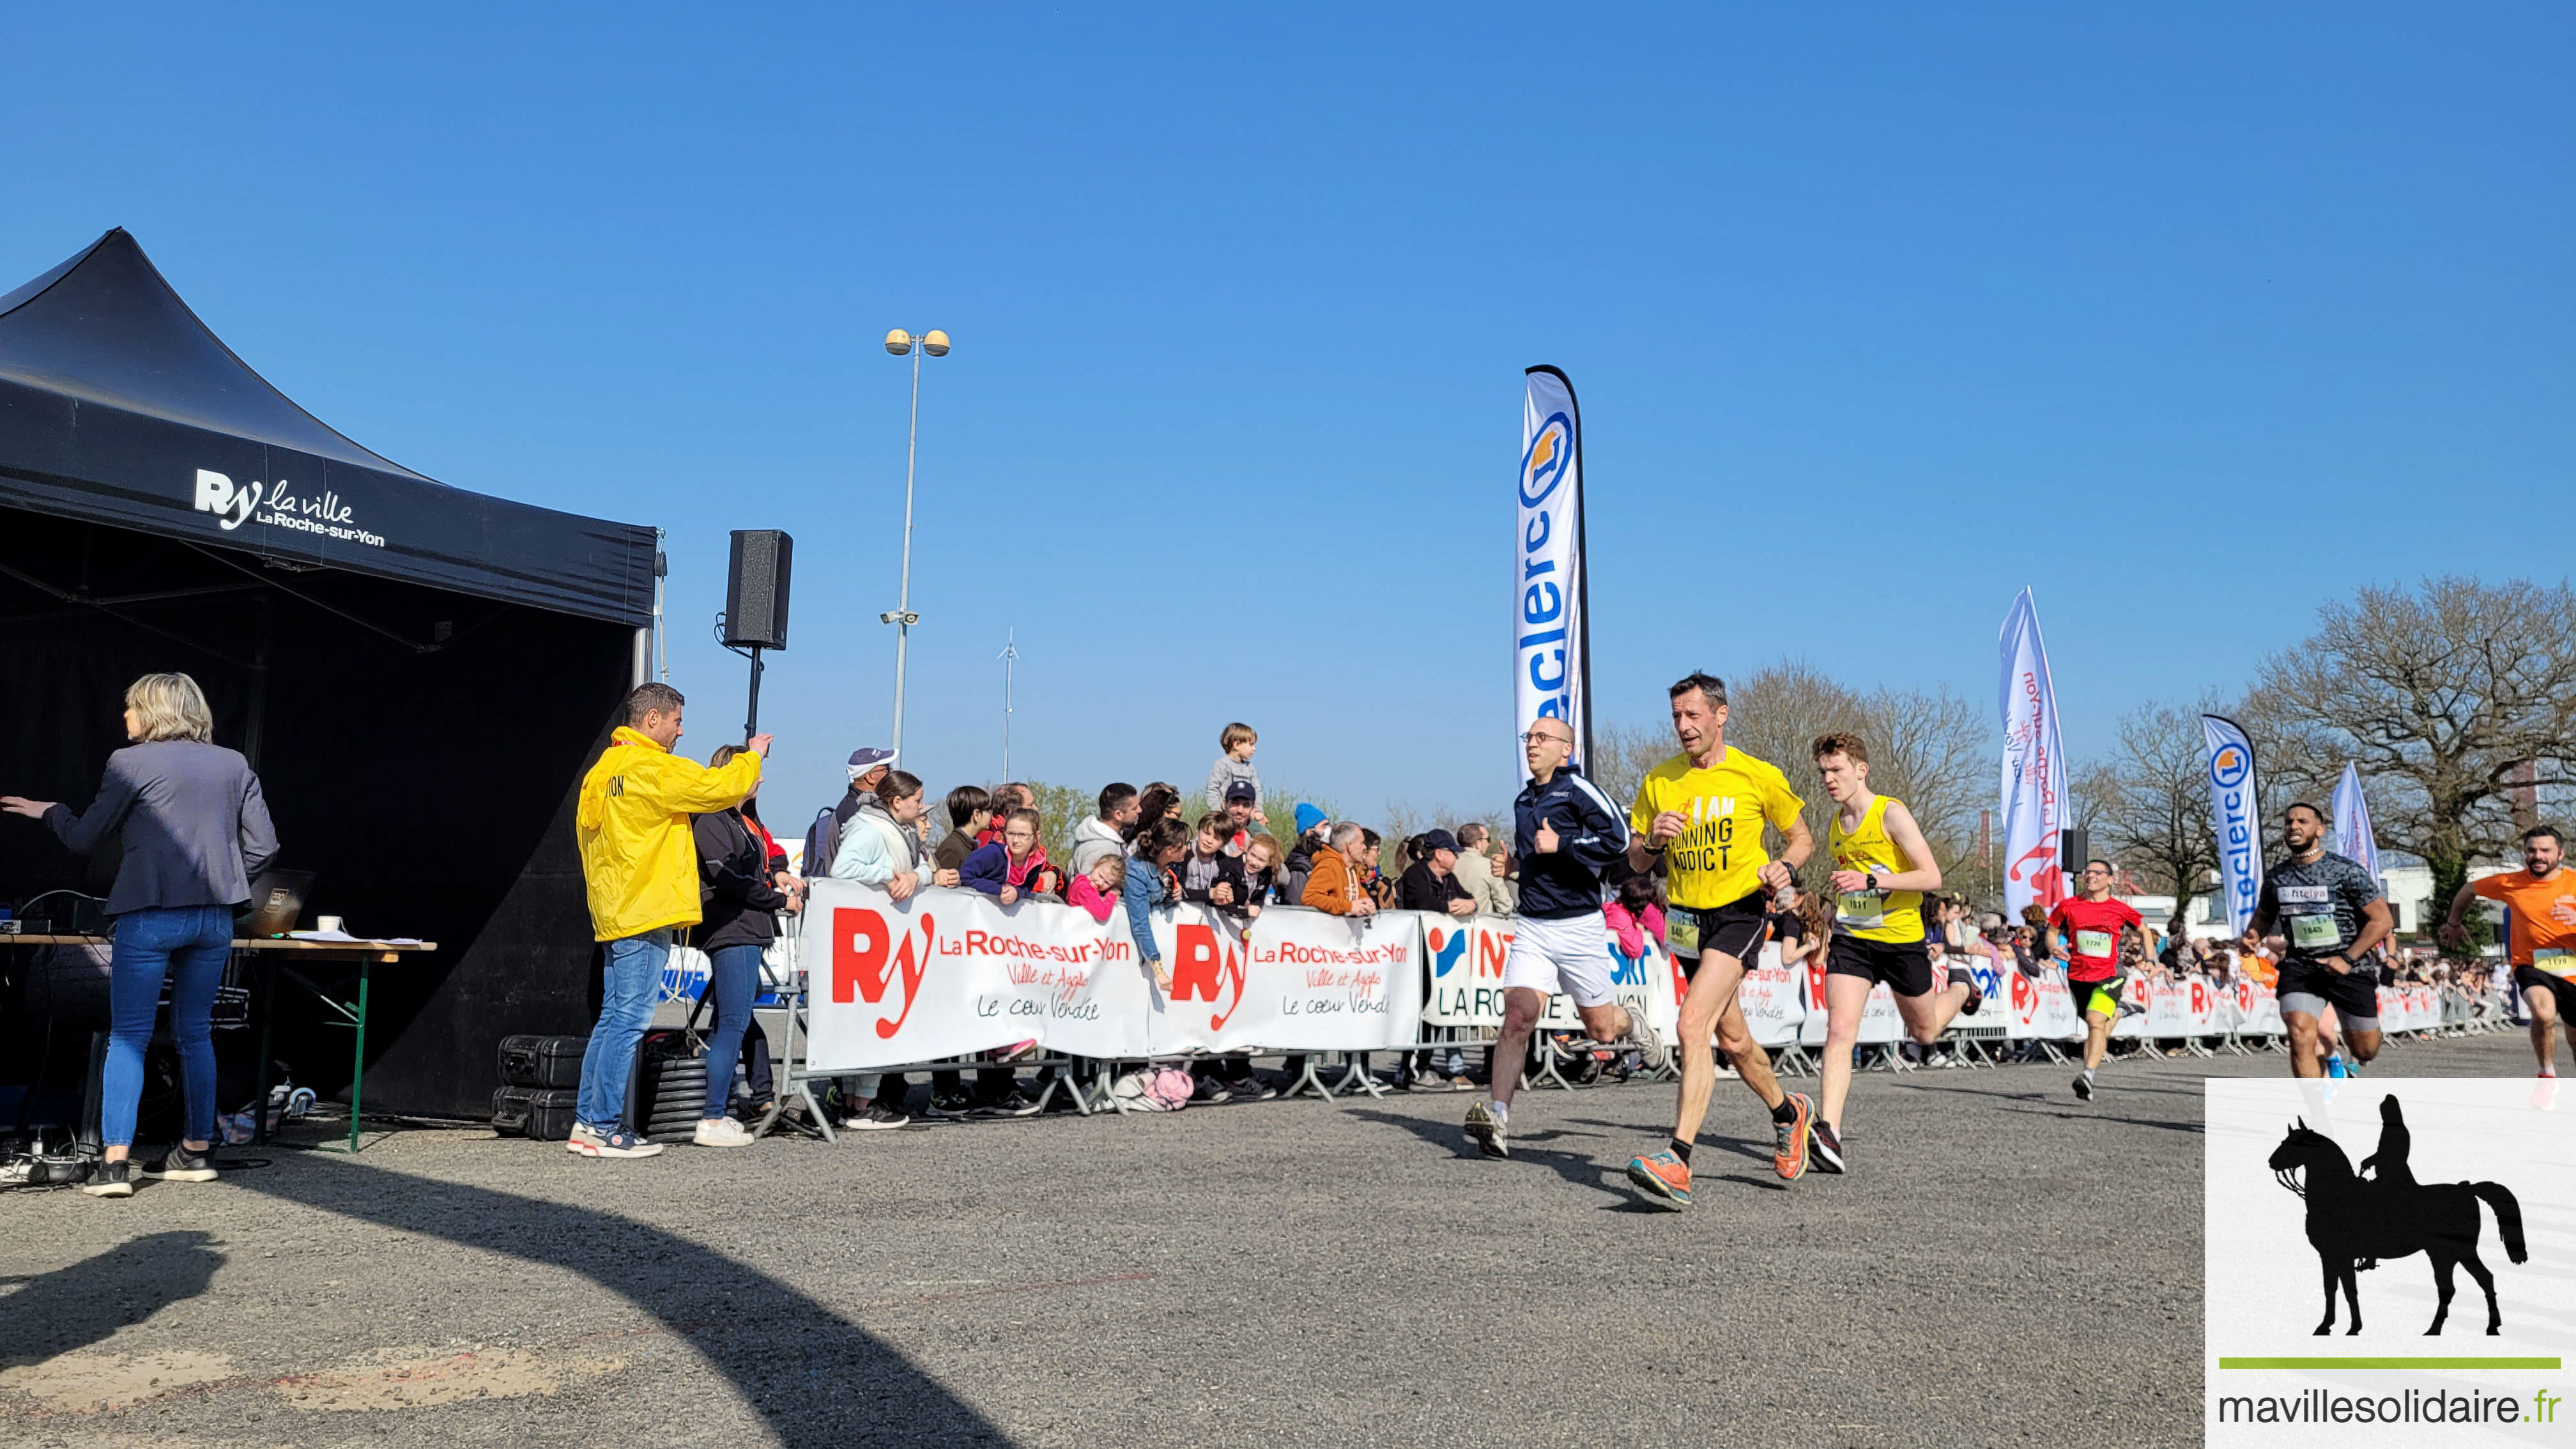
(2227, 767)
(1544, 468)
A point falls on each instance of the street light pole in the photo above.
(903, 618)
(1010, 657)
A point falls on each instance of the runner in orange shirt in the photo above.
(2543, 946)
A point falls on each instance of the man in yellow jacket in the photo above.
(639, 859)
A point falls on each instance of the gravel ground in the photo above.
(2004, 1266)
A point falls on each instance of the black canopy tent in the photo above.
(418, 673)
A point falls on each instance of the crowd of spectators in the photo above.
(1140, 848)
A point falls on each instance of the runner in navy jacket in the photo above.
(1573, 879)
(1566, 833)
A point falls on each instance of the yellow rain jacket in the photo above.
(638, 854)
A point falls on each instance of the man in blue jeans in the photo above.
(639, 859)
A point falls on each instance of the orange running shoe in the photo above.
(1664, 1177)
(1789, 1139)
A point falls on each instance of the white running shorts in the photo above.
(1571, 955)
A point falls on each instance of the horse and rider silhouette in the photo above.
(2354, 1222)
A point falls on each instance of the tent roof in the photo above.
(117, 404)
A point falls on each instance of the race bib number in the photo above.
(2556, 961)
(1862, 910)
(2312, 933)
(1681, 932)
(2096, 944)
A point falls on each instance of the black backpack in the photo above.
(822, 842)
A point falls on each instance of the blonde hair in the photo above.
(1117, 870)
(171, 707)
(1235, 734)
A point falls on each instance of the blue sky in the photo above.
(2192, 320)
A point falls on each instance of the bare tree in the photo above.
(1623, 753)
(2148, 807)
(2450, 697)
(1927, 749)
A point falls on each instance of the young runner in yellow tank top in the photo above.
(1882, 867)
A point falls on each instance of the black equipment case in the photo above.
(542, 1061)
(539, 1112)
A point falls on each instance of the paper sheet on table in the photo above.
(337, 936)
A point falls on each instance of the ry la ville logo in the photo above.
(276, 505)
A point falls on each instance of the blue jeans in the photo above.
(631, 975)
(735, 980)
(188, 945)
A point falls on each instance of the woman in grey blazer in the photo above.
(195, 830)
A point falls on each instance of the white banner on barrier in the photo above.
(2258, 1011)
(1775, 1000)
(1298, 979)
(950, 972)
(2041, 1009)
(1879, 1023)
(1466, 968)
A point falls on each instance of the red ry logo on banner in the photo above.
(1201, 962)
(861, 949)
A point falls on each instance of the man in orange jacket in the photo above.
(1338, 884)
(639, 860)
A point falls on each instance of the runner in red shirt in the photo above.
(2085, 932)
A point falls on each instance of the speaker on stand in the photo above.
(755, 616)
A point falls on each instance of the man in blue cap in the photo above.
(868, 765)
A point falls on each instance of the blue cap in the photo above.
(1308, 817)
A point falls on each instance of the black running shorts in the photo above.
(2111, 986)
(2525, 978)
(1906, 966)
(1738, 929)
(2304, 985)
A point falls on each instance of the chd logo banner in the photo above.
(2386, 1261)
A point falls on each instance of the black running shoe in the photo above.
(2084, 1086)
(1824, 1149)
(111, 1179)
(180, 1165)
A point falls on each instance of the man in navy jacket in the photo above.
(1567, 835)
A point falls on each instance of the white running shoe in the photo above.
(585, 1140)
(1489, 1123)
(722, 1132)
(1643, 1036)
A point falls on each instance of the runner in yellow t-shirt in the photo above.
(1702, 812)
(1882, 867)
(2542, 950)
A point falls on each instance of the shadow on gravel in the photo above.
(2077, 1111)
(814, 1377)
(1574, 1167)
(73, 1307)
